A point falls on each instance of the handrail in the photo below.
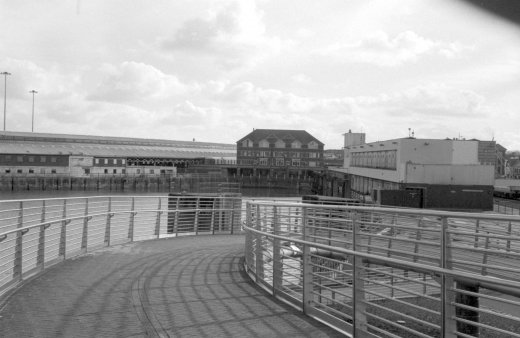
(354, 268)
(407, 211)
(58, 220)
(488, 282)
(67, 227)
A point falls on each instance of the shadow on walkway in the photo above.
(183, 287)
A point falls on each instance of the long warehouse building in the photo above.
(23, 153)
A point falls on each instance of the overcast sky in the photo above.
(214, 70)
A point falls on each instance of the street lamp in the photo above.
(5, 91)
(32, 125)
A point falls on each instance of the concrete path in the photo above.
(183, 287)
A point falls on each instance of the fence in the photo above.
(35, 234)
(378, 272)
(508, 207)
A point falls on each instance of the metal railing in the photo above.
(504, 206)
(37, 233)
(380, 272)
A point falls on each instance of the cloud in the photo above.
(384, 51)
(133, 81)
(232, 35)
(432, 101)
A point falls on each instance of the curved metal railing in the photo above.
(380, 272)
(37, 233)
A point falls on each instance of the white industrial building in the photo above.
(430, 173)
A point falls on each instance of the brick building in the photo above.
(274, 152)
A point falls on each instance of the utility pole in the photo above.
(32, 125)
(5, 92)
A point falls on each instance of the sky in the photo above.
(214, 70)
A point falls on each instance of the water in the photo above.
(16, 195)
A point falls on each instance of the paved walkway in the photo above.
(183, 287)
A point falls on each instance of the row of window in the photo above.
(280, 144)
(115, 161)
(277, 162)
(30, 159)
(287, 154)
(30, 171)
(386, 159)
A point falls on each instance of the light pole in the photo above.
(32, 125)
(5, 91)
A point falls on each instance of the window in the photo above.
(123, 171)
(7, 171)
(43, 159)
(247, 143)
(106, 171)
(279, 144)
(296, 145)
(123, 161)
(264, 144)
(279, 161)
(19, 171)
(106, 160)
(264, 161)
(53, 159)
(312, 164)
(96, 160)
(42, 171)
(152, 171)
(138, 171)
(31, 171)
(7, 158)
(295, 163)
(312, 155)
(53, 171)
(19, 158)
(87, 171)
(114, 171)
(114, 161)
(31, 159)
(313, 145)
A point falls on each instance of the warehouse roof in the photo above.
(60, 144)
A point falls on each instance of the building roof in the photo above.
(283, 134)
(60, 144)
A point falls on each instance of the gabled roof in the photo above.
(287, 135)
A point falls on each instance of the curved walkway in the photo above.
(182, 287)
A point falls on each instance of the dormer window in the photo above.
(247, 143)
(279, 144)
(296, 144)
(264, 144)
(313, 145)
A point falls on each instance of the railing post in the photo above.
(157, 220)
(84, 236)
(17, 268)
(176, 222)
(196, 221)
(509, 229)
(107, 226)
(477, 230)
(249, 239)
(212, 221)
(448, 321)
(63, 234)
(417, 240)
(131, 221)
(359, 317)
(277, 259)
(40, 260)
(259, 264)
(307, 281)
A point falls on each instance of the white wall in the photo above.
(450, 174)
(465, 152)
